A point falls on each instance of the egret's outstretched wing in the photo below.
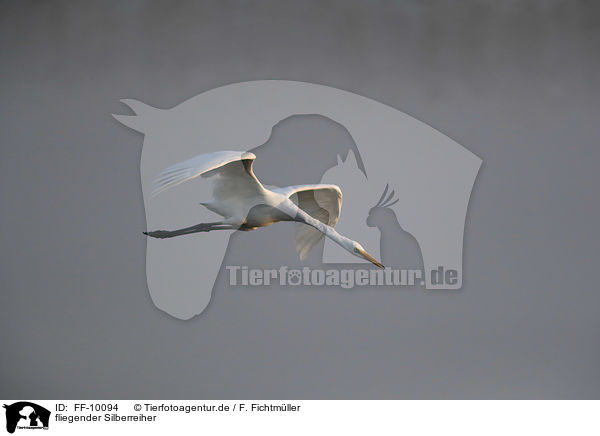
(322, 202)
(236, 166)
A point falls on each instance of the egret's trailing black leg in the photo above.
(203, 227)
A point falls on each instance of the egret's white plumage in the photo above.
(323, 202)
(245, 204)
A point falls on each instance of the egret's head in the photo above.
(359, 251)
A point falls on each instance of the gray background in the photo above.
(516, 82)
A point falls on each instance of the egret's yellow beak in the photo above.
(371, 259)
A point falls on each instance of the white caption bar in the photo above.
(302, 417)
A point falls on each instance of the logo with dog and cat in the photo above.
(244, 156)
(25, 415)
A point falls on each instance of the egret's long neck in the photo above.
(328, 231)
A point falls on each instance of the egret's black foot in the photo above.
(161, 234)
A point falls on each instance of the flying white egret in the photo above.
(245, 204)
